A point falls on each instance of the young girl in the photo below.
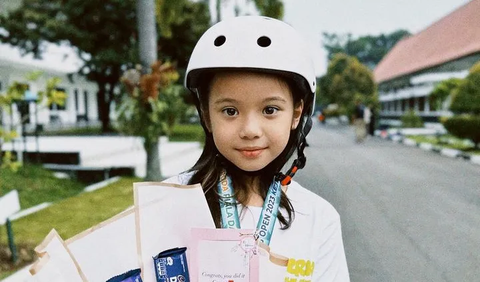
(254, 84)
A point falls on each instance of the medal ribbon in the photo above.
(268, 216)
(228, 204)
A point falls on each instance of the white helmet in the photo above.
(259, 44)
(253, 42)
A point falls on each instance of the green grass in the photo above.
(69, 217)
(37, 185)
(6, 274)
(446, 141)
(187, 132)
(75, 214)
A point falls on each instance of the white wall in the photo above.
(10, 72)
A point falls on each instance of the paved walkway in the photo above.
(99, 151)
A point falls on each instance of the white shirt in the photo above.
(313, 243)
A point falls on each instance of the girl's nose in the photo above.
(250, 128)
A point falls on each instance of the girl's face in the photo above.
(250, 116)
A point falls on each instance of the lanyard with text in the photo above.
(268, 216)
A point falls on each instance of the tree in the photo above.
(466, 107)
(466, 100)
(181, 23)
(144, 111)
(442, 91)
(346, 81)
(268, 8)
(147, 38)
(368, 49)
(102, 32)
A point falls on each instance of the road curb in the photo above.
(446, 152)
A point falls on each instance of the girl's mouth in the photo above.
(251, 153)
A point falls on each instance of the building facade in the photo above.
(80, 107)
(410, 71)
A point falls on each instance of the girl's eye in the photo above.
(270, 110)
(230, 111)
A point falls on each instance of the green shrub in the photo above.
(411, 119)
(466, 100)
(464, 126)
(75, 131)
(187, 132)
(441, 92)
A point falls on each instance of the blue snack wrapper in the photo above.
(130, 276)
(171, 266)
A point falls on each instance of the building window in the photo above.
(411, 103)
(75, 94)
(421, 104)
(57, 107)
(1, 86)
(404, 105)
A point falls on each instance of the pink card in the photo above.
(223, 255)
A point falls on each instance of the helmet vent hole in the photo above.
(220, 40)
(264, 41)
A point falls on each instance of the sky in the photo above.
(358, 17)
(313, 17)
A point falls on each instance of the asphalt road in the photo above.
(407, 214)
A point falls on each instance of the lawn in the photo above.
(36, 185)
(446, 141)
(70, 216)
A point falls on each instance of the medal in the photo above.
(268, 216)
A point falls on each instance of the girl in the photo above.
(254, 85)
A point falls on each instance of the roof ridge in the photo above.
(438, 43)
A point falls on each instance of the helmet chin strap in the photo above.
(301, 160)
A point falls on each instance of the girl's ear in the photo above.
(297, 114)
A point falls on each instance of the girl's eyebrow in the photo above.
(275, 99)
(225, 100)
(266, 100)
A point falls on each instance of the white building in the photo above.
(58, 61)
(409, 72)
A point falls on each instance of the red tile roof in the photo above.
(454, 36)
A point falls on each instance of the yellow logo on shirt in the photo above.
(300, 268)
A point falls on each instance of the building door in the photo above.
(80, 106)
(85, 99)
